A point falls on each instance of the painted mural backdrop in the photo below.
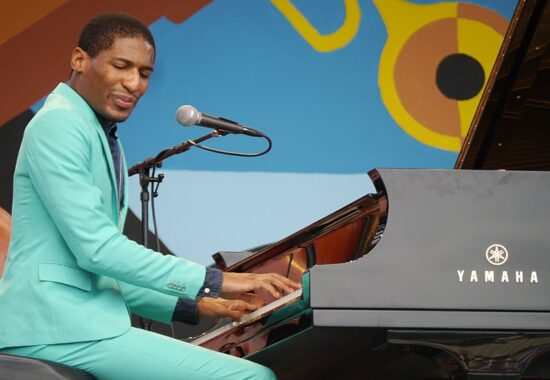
(341, 86)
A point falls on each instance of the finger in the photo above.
(280, 283)
(251, 307)
(288, 282)
(293, 284)
(253, 299)
(234, 314)
(270, 288)
(244, 306)
(240, 309)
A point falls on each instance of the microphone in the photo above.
(188, 115)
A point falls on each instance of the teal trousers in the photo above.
(144, 355)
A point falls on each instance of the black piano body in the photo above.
(441, 274)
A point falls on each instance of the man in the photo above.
(71, 275)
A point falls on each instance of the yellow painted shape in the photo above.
(327, 42)
(16, 16)
(482, 42)
(403, 19)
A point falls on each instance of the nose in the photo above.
(132, 81)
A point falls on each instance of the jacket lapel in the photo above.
(125, 191)
(87, 112)
(110, 164)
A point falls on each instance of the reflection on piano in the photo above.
(441, 274)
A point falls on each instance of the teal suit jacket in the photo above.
(71, 275)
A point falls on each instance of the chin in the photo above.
(118, 117)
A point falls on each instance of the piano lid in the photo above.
(511, 127)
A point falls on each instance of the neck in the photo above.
(73, 82)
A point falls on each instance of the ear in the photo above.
(79, 60)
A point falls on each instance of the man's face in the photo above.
(113, 81)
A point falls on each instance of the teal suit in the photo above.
(71, 275)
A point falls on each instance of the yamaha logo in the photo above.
(496, 254)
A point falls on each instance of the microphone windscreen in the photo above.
(188, 115)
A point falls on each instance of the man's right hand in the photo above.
(217, 308)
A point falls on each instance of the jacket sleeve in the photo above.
(148, 303)
(57, 148)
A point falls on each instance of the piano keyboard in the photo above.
(249, 318)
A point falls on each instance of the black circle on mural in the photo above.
(459, 76)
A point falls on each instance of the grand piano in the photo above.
(439, 274)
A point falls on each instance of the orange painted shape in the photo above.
(484, 16)
(415, 73)
(16, 16)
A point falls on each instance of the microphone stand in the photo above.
(144, 170)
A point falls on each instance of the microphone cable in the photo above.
(230, 153)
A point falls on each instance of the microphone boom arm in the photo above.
(180, 148)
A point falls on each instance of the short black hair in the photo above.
(101, 31)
